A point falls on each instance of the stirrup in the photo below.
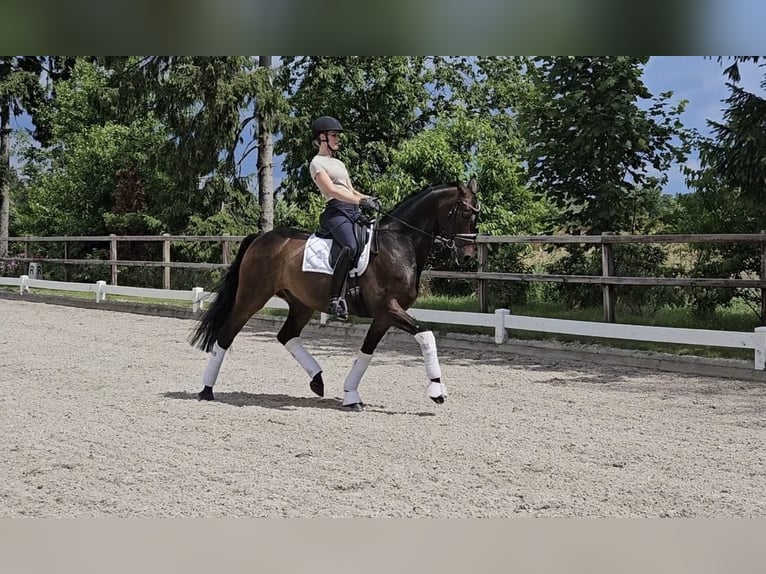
(337, 309)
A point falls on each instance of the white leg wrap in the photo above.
(427, 344)
(436, 390)
(354, 377)
(304, 358)
(213, 365)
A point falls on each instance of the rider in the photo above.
(342, 207)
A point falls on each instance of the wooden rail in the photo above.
(607, 279)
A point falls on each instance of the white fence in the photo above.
(501, 320)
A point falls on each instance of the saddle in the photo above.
(321, 252)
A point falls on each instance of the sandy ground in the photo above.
(99, 417)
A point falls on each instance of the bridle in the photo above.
(461, 207)
(465, 209)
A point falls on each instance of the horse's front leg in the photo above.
(436, 389)
(351, 398)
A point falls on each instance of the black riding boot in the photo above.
(337, 306)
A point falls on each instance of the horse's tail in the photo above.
(216, 315)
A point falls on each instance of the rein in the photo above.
(449, 241)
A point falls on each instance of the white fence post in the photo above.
(501, 335)
(197, 303)
(760, 348)
(100, 295)
(23, 285)
(166, 259)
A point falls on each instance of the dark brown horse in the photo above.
(271, 264)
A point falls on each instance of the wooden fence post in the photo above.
(113, 256)
(482, 284)
(763, 276)
(66, 257)
(607, 270)
(225, 248)
(166, 259)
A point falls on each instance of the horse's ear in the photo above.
(473, 185)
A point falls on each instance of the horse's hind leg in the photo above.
(245, 307)
(289, 336)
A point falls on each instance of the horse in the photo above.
(270, 264)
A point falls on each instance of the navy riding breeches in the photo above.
(337, 221)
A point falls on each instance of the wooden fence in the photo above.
(607, 279)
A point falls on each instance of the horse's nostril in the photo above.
(467, 258)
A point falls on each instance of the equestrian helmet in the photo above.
(325, 124)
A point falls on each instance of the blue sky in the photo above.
(694, 78)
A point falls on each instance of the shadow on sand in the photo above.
(286, 402)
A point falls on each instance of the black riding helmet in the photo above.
(324, 124)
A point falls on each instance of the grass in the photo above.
(737, 318)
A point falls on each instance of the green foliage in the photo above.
(735, 154)
(594, 152)
(376, 99)
(715, 207)
(77, 195)
(131, 141)
(646, 260)
(577, 261)
(509, 259)
(134, 145)
(630, 260)
(20, 90)
(410, 122)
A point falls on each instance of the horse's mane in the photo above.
(412, 199)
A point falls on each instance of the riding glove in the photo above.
(370, 204)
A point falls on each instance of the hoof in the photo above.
(438, 400)
(354, 407)
(206, 394)
(317, 385)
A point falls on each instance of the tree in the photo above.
(729, 192)
(593, 149)
(20, 90)
(416, 122)
(378, 100)
(389, 107)
(737, 149)
(270, 106)
(147, 145)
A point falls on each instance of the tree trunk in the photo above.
(5, 176)
(265, 160)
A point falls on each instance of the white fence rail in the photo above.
(501, 320)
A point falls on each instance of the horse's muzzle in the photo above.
(465, 253)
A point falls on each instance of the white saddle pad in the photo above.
(316, 256)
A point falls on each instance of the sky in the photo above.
(694, 78)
